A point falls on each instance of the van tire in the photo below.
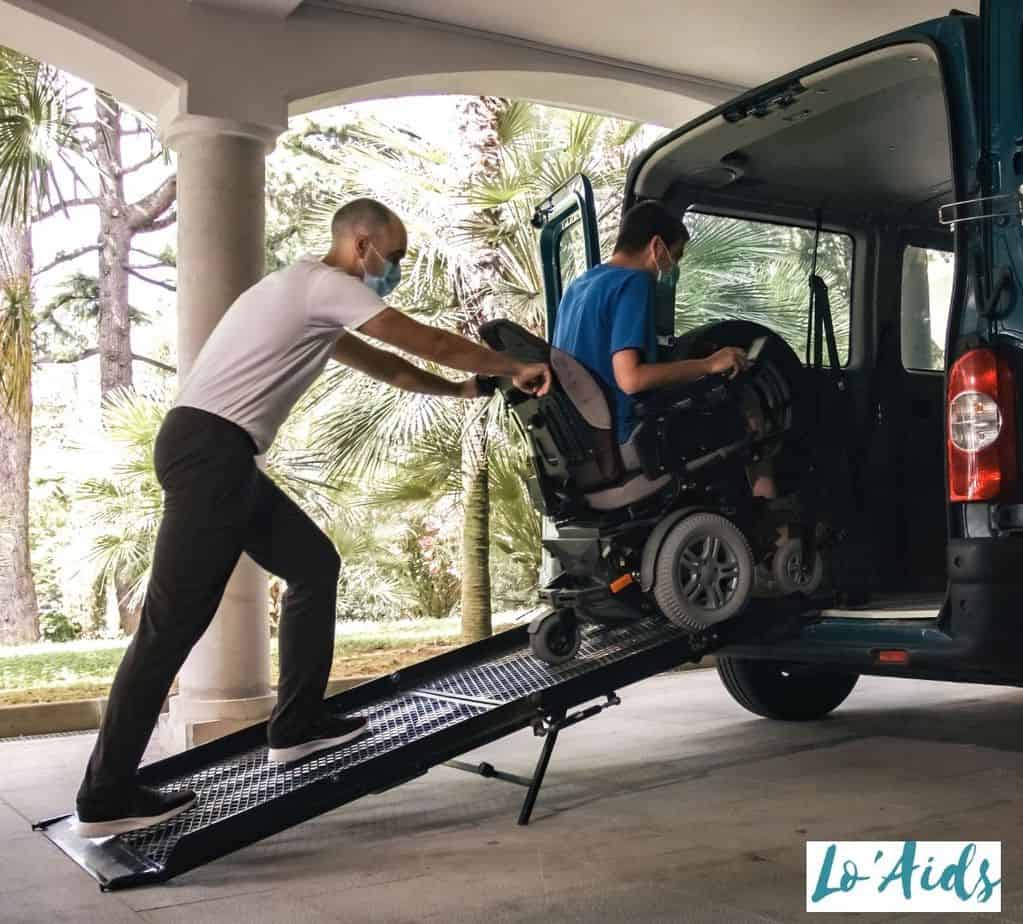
(781, 690)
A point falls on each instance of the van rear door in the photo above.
(569, 239)
(985, 343)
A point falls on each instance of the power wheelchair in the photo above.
(667, 521)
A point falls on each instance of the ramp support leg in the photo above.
(550, 739)
(548, 728)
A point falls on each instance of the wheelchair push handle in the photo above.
(487, 384)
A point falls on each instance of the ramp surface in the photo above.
(419, 718)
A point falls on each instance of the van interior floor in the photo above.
(907, 605)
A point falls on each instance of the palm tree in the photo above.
(119, 502)
(19, 617)
(122, 502)
(480, 131)
(758, 272)
(34, 125)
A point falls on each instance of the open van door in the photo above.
(569, 245)
(986, 329)
(569, 242)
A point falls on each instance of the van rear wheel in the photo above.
(783, 690)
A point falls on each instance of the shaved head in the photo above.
(367, 235)
(362, 215)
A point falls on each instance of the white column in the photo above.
(225, 683)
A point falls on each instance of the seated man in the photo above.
(604, 320)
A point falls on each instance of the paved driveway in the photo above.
(676, 806)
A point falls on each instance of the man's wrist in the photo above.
(512, 368)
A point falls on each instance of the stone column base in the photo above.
(190, 722)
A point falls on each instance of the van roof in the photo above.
(867, 133)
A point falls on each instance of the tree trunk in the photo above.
(114, 334)
(479, 117)
(19, 614)
(114, 253)
(477, 617)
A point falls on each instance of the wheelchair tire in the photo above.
(790, 575)
(556, 638)
(704, 572)
(779, 690)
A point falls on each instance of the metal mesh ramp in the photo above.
(417, 719)
(238, 784)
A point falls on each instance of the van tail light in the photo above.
(981, 427)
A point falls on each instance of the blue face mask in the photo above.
(387, 280)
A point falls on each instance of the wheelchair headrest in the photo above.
(584, 389)
(508, 337)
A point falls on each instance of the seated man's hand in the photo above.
(728, 361)
(533, 378)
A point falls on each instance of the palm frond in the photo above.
(516, 121)
(371, 427)
(34, 127)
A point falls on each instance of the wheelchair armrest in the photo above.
(711, 390)
(647, 439)
(657, 403)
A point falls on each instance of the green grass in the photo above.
(69, 662)
(50, 672)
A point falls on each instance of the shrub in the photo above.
(56, 627)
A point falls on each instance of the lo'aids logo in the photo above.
(928, 876)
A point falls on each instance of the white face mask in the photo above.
(672, 265)
(387, 280)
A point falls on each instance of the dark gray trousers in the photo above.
(217, 504)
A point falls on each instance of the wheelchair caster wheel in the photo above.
(556, 638)
(704, 573)
(790, 572)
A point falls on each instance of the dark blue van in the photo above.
(893, 172)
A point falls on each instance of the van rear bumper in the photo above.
(984, 608)
(978, 635)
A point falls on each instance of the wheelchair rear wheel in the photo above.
(704, 571)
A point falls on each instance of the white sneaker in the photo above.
(325, 733)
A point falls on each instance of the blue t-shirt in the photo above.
(605, 310)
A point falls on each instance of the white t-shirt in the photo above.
(273, 342)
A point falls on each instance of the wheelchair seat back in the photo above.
(570, 430)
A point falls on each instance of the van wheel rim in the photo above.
(708, 572)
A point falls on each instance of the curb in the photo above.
(79, 715)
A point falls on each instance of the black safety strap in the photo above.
(820, 323)
(824, 330)
(821, 335)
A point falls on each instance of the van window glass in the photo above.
(738, 269)
(571, 253)
(925, 302)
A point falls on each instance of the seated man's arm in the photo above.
(392, 369)
(634, 376)
(630, 333)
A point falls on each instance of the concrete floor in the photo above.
(676, 806)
